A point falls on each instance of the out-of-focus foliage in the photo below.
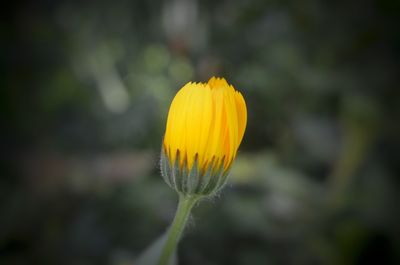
(85, 90)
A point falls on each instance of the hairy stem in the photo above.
(175, 231)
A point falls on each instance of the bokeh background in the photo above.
(85, 90)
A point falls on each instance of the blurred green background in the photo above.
(85, 90)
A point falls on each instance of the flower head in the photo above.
(205, 126)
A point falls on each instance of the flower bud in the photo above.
(205, 126)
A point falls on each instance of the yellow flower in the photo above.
(205, 126)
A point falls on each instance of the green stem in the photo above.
(175, 231)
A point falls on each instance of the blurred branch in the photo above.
(48, 173)
(360, 119)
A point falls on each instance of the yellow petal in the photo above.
(206, 121)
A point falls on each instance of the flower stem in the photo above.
(175, 231)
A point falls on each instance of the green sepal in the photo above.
(194, 181)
